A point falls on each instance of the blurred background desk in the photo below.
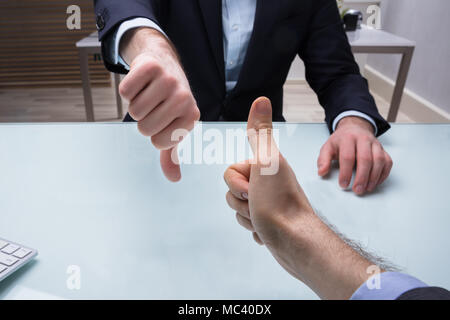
(369, 40)
(135, 235)
(86, 46)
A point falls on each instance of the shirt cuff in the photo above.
(354, 113)
(123, 28)
(389, 286)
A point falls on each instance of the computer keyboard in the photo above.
(13, 256)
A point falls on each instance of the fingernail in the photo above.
(245, 196)
(261, 107)
(344, 184)
(359, 189)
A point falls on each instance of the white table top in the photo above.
(90, 41)
(93, 195)
(370, 37)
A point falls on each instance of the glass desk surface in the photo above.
(93, 196)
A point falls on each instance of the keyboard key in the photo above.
(11, 248)
(3, 244)
(2, 268)
(7, 260)
(21, 253)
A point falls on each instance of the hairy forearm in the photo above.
(324, 261)
(144, 40)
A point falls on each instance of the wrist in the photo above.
(355, 121)
(144, 40)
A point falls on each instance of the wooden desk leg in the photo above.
(400, 84)
(116, 78)
(87, 93)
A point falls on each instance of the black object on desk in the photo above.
(352, 20)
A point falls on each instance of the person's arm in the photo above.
(351, 112)
(331, 69)
(271, 204)
(111, 14)
(159, 95)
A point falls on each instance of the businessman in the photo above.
(275, 209)
(187, 58)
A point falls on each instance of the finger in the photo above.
(238, 205)
(237, 179)
(257, 239)
(137, 79)
(387, 168)
(259, 129)
(363, 166)
(347, 153)
(326, 156)
(160, 118)
(379, 162)
(150, 97)
(176, 131)
(246, 223)
(170, 164)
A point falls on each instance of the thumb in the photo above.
(170, 164)
(259, 131)
(260, 116)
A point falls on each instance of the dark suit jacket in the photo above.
(427, 293)
(283, 29)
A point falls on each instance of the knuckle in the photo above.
(144, 129)
(151, 66)
(229, 197)
(184, 95)
(133, 113)
(390, 163)
(379, 158)
(123, 90)
(367, 138)
(196, 113)
(133, 110)
(193, 114)
(226, 175)
(366, 158)
(170, 82)
(348, 158)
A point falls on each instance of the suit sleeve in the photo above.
(112, 13)
(428, 293)
(331, 70)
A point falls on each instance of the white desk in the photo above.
(135, 235)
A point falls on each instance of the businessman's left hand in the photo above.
(354, 144)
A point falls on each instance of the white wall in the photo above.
(427, 22)
(298, 69)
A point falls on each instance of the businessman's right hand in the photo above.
(160, 97)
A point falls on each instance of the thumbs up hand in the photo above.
(270, 203)
(264, 191)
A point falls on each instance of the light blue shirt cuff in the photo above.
(123, 28)
(354, 113)
(391, 285)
